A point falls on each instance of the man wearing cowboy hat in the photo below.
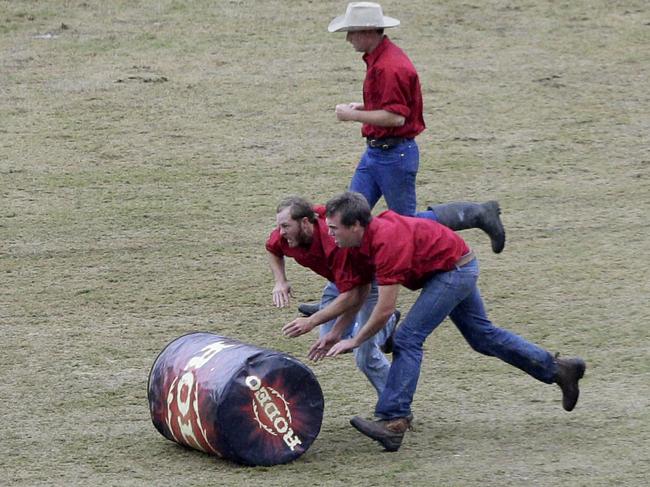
(391, 116)
(391, 112)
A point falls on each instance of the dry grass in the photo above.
(144, 145)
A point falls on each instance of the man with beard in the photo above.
(391, 117)
(302, 234)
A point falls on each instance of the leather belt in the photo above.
(385, 143)
(465, 259)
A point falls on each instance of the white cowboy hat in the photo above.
(362, 16)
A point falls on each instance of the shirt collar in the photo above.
(364, 247)
(371, 57)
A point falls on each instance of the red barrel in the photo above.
(234, 400)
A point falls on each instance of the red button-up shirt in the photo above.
(408, 250)
(323, 256)
(392, 84)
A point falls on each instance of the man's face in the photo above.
(361, 40)
(295, 232)
(344, 236)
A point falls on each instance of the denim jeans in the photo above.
(456, 295)
(368, 357)
(389, 172)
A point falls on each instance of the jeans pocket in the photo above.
(448, 279)
(409, 157)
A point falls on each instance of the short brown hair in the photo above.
(353, 207)
(299, 208)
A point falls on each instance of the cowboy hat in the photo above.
(362, 16)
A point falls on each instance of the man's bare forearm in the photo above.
(277, 267)
(383, 310)
(347, 302)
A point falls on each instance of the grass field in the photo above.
(145, 144)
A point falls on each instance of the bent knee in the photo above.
(406, 339)
(483, 343)
(480, 348)
(369, 359)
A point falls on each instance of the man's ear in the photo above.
(304, 222)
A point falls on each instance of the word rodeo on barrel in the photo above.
(279, 421)
(237, 401)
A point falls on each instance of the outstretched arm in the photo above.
(321, 346)
(383, 309)
(345, 305)
(282, 290)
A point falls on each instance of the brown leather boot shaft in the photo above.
(399, 425)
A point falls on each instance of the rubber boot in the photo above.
(308, 309)
(464, 215)
(389, 344)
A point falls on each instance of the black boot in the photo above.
(569, 372)
(308, 309)
(389, 344)
(464, 215)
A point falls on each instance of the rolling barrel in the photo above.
(234, 400)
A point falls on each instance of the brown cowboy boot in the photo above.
(569, 372)
(388, 432)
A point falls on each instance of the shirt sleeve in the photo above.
(392, 266)
(347, 271)
(274, 245)
(392, 92)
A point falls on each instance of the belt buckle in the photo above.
(378, 144)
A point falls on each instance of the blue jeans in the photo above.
(389, 172)
(369, 358)
(456, 295)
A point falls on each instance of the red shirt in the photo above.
(407, 250)
(392, 84)
(323, 256)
